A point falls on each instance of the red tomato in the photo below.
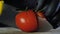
(26, 21)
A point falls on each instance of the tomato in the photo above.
(26, 21)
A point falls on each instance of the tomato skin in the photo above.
(26, 21)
